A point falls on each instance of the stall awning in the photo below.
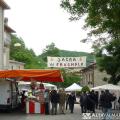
(37, 75)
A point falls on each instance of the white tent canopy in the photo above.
(112, 88)
(107, 86)
(73, 87)
(50, 86)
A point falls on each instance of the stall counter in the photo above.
(35, 107)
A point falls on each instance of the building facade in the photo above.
(5, 40)
(92, 77)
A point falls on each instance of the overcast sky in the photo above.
(41, 22)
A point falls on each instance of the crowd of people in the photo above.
(58, 101)
(91, 100)
(88, 101)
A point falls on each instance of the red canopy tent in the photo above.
(37, 75)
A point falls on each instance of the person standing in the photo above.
(67, 104)
(83, 102)
(54, 97)
(107, 99)
(90, 102)
(23, 103)
(62, 99)
(40, 96)
(93, 100)
(119, 102)
(47, 101)
(96, 99)
(71, 101)
(100, 100)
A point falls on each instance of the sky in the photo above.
(41, 22)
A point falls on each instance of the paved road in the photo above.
(20, 116)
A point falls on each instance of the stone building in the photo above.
(92, 77)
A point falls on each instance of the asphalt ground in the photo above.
(15, 115)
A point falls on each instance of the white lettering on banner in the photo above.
(66, 61)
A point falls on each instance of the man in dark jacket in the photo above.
(100, 100)
(83, 102)
(71, 101)
(106, 100)
(54, 97)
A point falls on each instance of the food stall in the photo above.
(35, 102)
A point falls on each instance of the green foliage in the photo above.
(23, 54)
(66, 53)
(68, 79)
(110, 61)
(19, 53)
(103, 17)
(85, 89)
(89, 57)
(50, 50)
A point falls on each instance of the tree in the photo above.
(19, 53)
(50, 50)
(110, 61)
(85, 89)
(68, 79)
(103, 18)
(23, 54)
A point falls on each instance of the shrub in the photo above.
(85, 89)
